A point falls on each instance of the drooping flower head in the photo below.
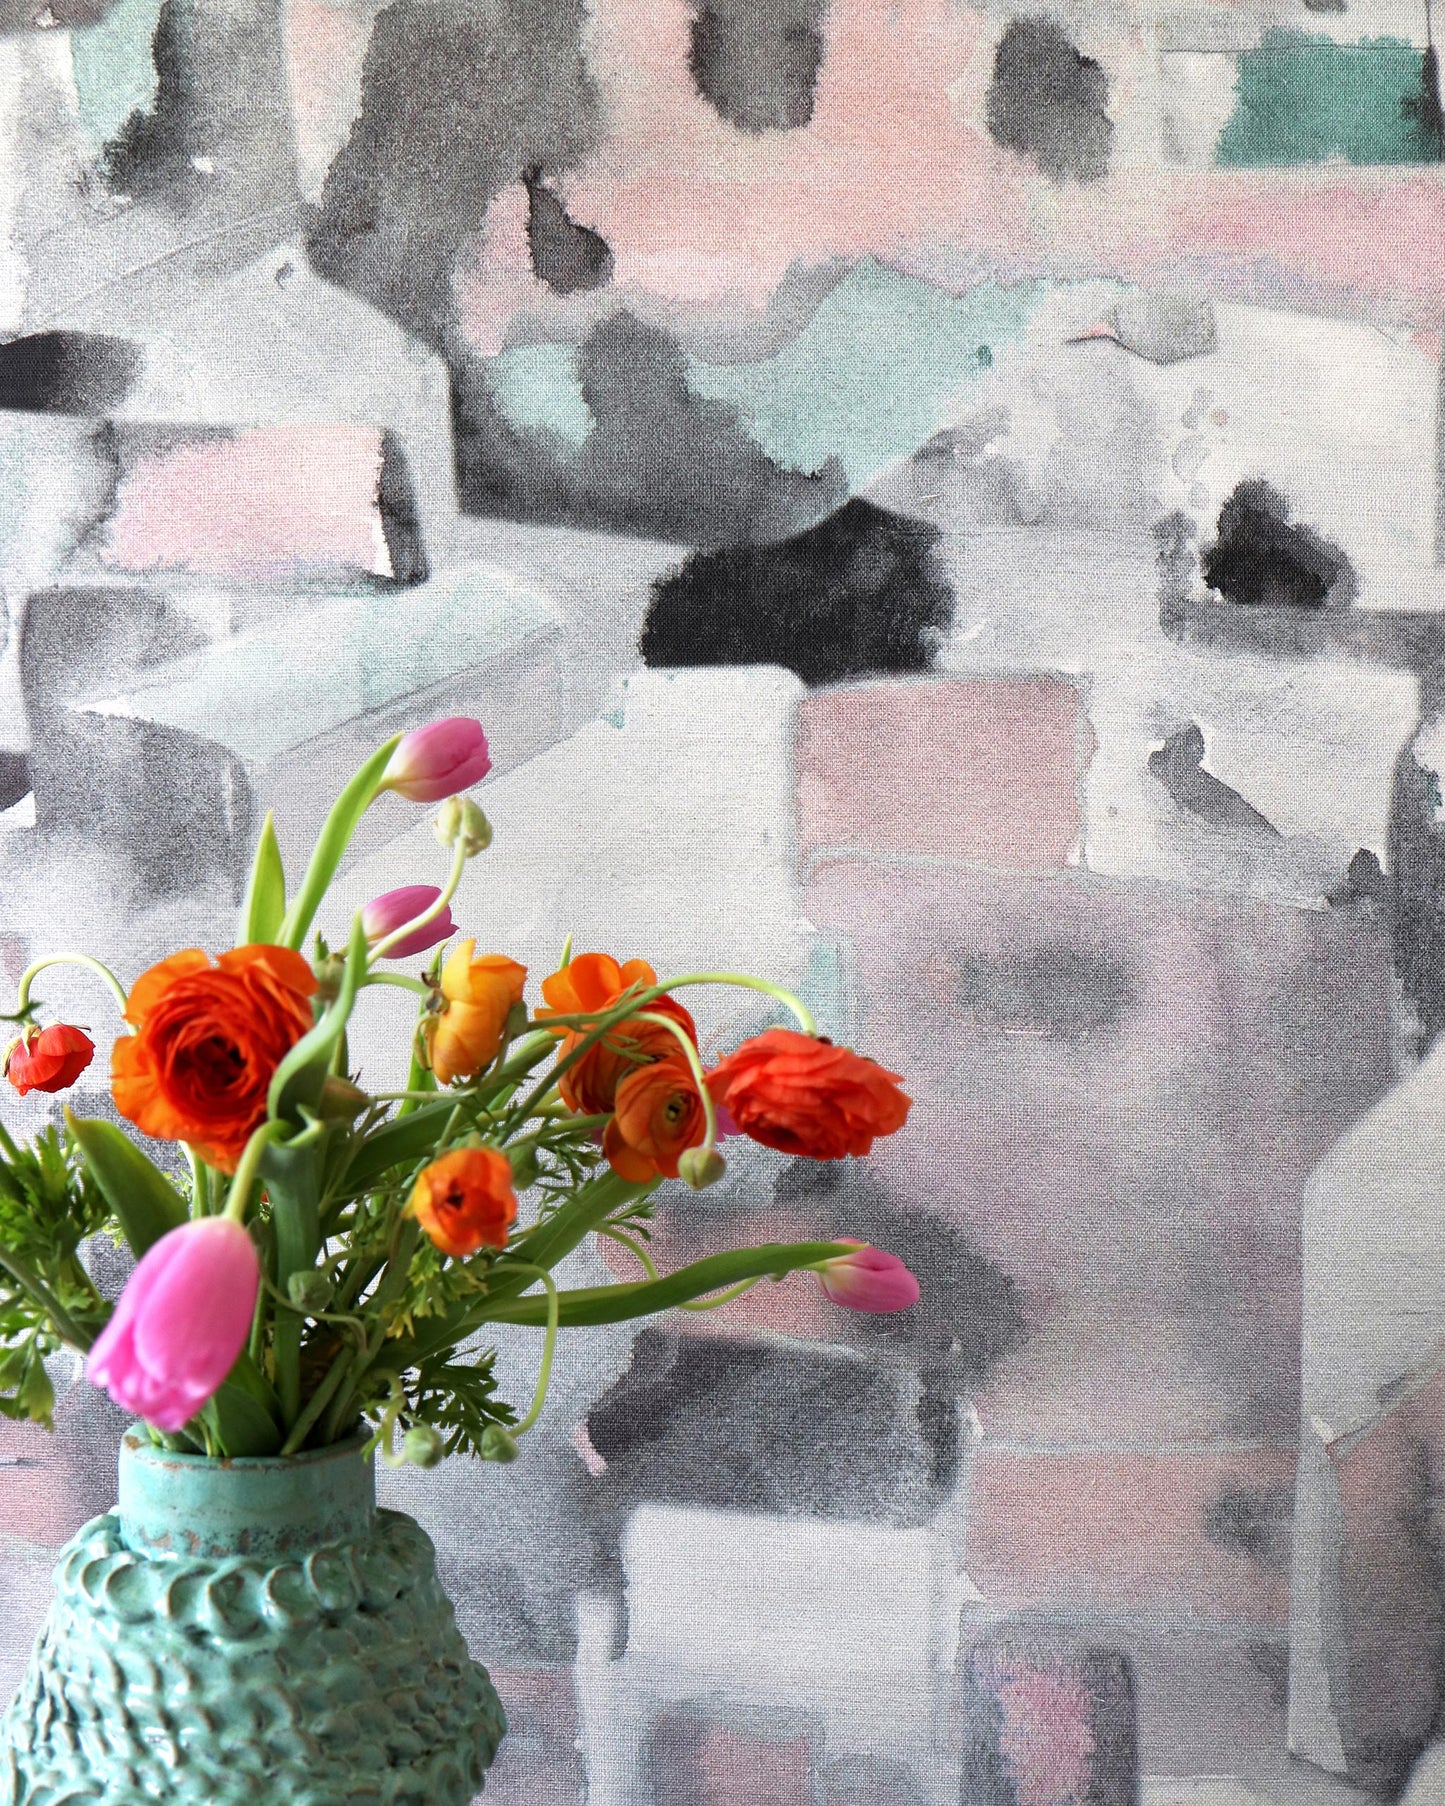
(207, 1042)
(180, 1323)
(477, 997)
(869, 1279)
(465, 1200)
(49, 1059)
(438, 760)
(659, 1115)
(803, 1095)
(393, 909)
(591, 985)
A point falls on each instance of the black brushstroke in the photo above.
(1365, 885)
(566, 256)
(1415, 858)
(457, 102)
(864, 592)
(14, 778)
(1179, 767)
(1049, 102)
(659, 462)
(400, 517)
(757, 61)
(1115, 1766)
(1261, 559)
(67, 372)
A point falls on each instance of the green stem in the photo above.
(635, 1249)
(246, 1167)
(459, 865)
(393, 1279)
(592, 1305)
(332, 842)
(28, 976)
(200, 1183)
(544, 1372)
(399, 979)
(315, 1405)
(711, 1304)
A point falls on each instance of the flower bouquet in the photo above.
(317, 1260)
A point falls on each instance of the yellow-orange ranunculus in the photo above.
(477, 998)
(465, 1201)
(659, 1115)
(590, 985)
(207, 1040)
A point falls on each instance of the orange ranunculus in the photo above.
(478, 995)
(591, 985)
(659, 1116)
(464, 1200)
(207, 1041)
(49, 1059)
(805, 1096)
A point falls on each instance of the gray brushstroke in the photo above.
(566, 256)
(659, 462)
(1179, 767)
(1164, 329)
(1050, 103)
(757, 61)
(1253, 1521)
(1440, 461)
(1059, 991)
(457, 102)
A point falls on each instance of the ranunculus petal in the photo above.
(51, 1059)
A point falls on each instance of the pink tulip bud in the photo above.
(180, 1323)
(438, 760)
(393, 909)
(869, 1280)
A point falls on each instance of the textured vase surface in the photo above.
(249, 1631)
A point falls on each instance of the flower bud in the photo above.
(497, 1444)
(701, 1167)
(393, 909)
(48, 1059)
(340, 1100)
(422, 1446)
(525, 1165)
(516, 1021)
(461, 823)
(436, 760)
(309, 1290)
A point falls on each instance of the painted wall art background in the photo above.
(939, 501)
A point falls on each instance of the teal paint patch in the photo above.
(868, 378)
(539, 390)
(115, 69)
(1303, 99)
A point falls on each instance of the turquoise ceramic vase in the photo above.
(238, 1633)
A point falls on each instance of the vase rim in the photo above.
(137, 1444)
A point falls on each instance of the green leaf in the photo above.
(264, 906)
(291, 1176)
(146, 1204)
(243, 1414)
(332, 842)
(300, 1076)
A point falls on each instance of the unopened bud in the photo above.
(498, 1444)
(340, 1100)
(525, 1165)
(461, 823)
(309, 1290)
(422, 1446)
(516, 1021)
(329, 973)
(701, 1167)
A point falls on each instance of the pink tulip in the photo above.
(438, 760)
(869, 1280)
(180, 1323)
(393, 909)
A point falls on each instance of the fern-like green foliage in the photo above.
(48, 1206)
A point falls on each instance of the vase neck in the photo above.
(268, 1508)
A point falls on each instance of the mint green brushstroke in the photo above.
(868, 379)
(115, 70)
(539, 389)
(1305, 99)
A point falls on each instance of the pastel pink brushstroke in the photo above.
(325, 50)
(271, 501)
(1047, 1736)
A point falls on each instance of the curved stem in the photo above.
(460, 856)
(549, 1346)
(799, 1009)
(28, 976)
(635, 1249)
(245, 1175)
(711, 1304)
(399, 979)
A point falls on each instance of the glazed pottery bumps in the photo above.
(242, 1632)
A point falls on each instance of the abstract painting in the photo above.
(942, 501)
